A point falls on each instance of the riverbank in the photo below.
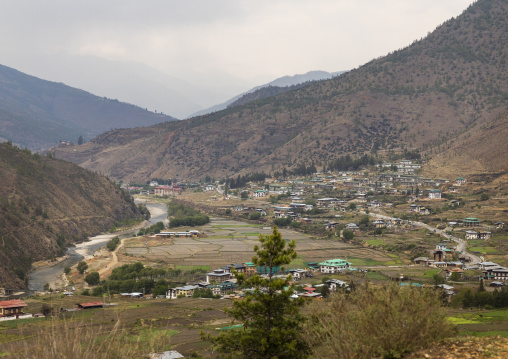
(52, 272)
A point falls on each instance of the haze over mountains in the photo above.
(37, 114)
(430, 96)
(137, 83)
(283, 84)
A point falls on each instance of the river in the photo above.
(53, 274)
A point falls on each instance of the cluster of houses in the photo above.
(222, 281)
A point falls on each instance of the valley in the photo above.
(269, 225)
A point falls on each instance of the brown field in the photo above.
(227, 241)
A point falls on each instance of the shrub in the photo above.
(373, 322)
(82, 267)
(255, 216)
(93, 278)
(113, 243)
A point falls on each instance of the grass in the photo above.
(237, 225)
(375, 276)
(189, 268)
(250, 233)
(297, 263)
(431, 273)
(491, 333)
(485, 250)
(375, 242)
(364, 261)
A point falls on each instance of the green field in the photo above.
(237, 225)
(375, 242)
(375, 276)
(364, 262)
(485, 250)
(189, 268)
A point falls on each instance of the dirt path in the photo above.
(106, 271)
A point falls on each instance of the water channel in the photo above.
(76, 253)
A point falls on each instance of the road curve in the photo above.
(461, 244)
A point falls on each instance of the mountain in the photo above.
(429, 96)
(37, 114)
(46, 204)
(137, 83)
(277, 86)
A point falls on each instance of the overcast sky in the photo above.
(253, 41)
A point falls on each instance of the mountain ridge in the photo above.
(37, 114)
(421, 97)
(283, 84)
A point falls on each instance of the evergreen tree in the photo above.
(271, 320)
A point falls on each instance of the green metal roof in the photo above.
(334, 262)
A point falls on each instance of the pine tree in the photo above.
(271, 319)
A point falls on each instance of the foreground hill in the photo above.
(46, 204)
(37, 114)
(440, 89)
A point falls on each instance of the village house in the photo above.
(471, 235)
(495, 273)
(423, 261)
(259, 193)
(379, 224)
(250, 269)
(331, 226)
(434, 194)
(186, 291)
(485, 235)
(223, 288)
(487, 265)
(326, 202)
(90, 305)
(450, 271)
(167, 190)
(218, 275)
(333, 266)
(12, 307)
(460, 181)
(352, 227)
(333, 284)
(471, 222)
(441, 246)
(499, 225)
(238, 267)
(298, 274)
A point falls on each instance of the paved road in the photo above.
(461, 245)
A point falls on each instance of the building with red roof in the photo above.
(90, 305)
(12, 307)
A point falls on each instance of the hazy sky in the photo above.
(253, 41)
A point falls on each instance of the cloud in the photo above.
(244, 38)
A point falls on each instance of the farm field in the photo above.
(225, 241)
(140, 326)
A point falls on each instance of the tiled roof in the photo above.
(15, 303)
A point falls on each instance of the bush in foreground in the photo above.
(376, 322)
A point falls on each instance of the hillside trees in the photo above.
(182, 215)
(82, 267)
(271, 320)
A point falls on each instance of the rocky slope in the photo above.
(46, 204)
(440, 89)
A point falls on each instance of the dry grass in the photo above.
(373, 322)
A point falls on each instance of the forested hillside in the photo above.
(46, 204)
